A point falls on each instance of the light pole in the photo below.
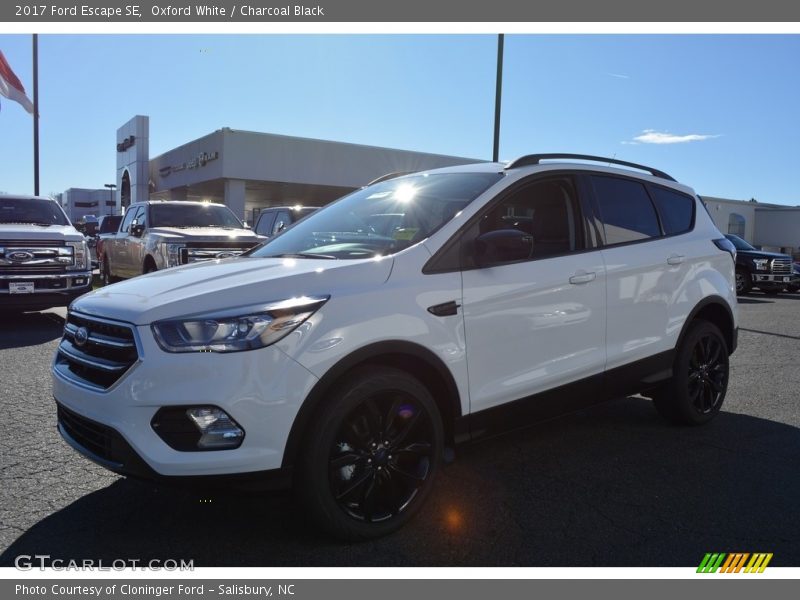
(111, 187)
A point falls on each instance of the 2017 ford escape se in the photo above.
(345, 360)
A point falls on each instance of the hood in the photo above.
(761, 254)
(224, 284)
(21, 231)
(215, 234)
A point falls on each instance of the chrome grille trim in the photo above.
(782, 266)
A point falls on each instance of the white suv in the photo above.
(347, 362)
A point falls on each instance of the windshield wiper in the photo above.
(300, 255)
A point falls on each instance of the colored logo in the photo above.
(735, 562)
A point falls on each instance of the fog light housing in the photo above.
(197, 428)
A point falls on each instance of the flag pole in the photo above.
(497, 96)
(35, 114)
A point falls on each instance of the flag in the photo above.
(11, 87)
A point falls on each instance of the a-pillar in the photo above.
(235, 196)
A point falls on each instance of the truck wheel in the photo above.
(773, 291)
(699, 381)
(371, 454)
(744, 283)
(149, 267)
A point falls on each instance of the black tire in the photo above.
(699, 382)
(744, 283)
(372, 454)
(149, 267)
(771, 291)
(793, 289)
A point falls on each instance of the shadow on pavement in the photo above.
(608, 486)
(29, 329)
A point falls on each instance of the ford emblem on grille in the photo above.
(81, 336)
(20, 256)
(225, 254)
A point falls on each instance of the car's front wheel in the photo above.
(699, 381)
(744, 283)
(372, 454)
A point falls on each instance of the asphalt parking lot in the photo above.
(609, 486)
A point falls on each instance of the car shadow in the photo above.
(748, 300)
(612, 485)
(29, 329)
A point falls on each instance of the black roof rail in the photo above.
(389, 176)
(535, 159)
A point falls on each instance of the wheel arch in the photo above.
(717, 311)
(149, 260)
(416, 360)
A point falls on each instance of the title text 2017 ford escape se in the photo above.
(349, 359)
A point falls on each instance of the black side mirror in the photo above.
(137, 229)
(502, 246)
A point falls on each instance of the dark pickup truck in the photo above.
(768, 271)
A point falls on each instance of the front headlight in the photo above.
(246, 328)
(172, 254)
(80, 250)
(761, 264)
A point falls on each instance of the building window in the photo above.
(736, 224)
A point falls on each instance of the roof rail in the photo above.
(389, 176)
(535, 159)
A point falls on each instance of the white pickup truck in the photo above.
(158, 234)
(44, 260)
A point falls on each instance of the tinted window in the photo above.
(546, 210)
(676, 210)
(625, 210)
(283, 220)
(264, 225)
(110, 224)
(126, 223)
(192, 215)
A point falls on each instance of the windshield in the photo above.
(31, 210)
(192, 215)
(380, 219)
(739, 243)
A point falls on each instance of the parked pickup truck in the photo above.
(44, 260)
(159, 234)
(768, 271)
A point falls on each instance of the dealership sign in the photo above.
(201, 160)
(126, 143)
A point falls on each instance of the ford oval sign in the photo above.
(20, 256)
(81, 336)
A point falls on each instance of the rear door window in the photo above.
(265, 221)
(676, 210)
(626, 211)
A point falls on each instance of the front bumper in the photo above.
(262, 390)
(106, 447)
(773, 279)
(49, 289)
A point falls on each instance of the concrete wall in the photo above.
(192, 163)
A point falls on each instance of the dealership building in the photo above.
(249, 171)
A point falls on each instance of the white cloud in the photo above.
(619, 75)
(651, 136)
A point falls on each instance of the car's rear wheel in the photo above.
(699, 381)
(743, 282)
(372, 454)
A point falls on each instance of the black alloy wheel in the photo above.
(708, 374)
(372, 453)
(696, 391)
(381, 456)
(743, 282)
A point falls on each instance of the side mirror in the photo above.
(502, 246)
(137, 229)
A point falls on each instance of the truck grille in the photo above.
(201, 251)
(40, 256)
(95, 352)
(782, 266)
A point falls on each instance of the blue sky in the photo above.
(718, 112)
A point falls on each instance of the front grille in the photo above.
(782, 266)
(93, 436)
(32, 243)
(201, 251)
(95, 352)
(40, 256)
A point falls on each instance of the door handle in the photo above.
(675, 259)
(582, 277)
